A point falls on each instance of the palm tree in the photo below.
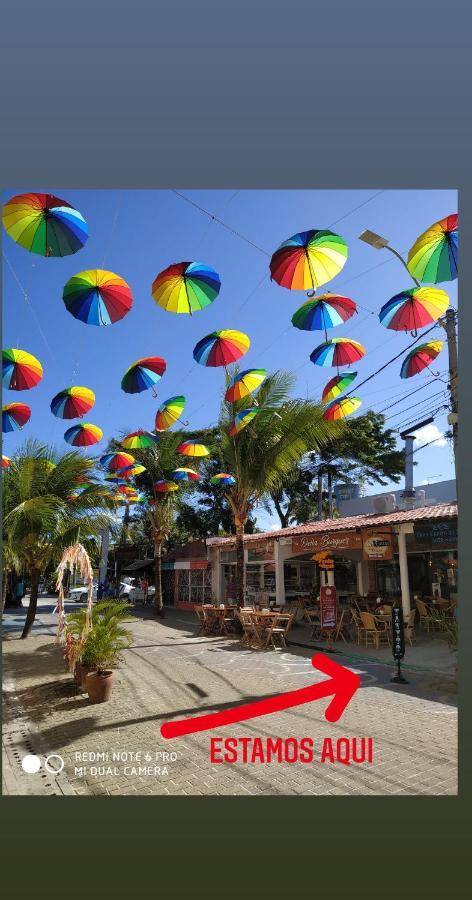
(264, 453)
(44, 512)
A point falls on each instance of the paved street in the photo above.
(170, 673)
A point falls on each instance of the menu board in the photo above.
(436, 534)
(328, 606)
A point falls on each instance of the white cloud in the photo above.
(430, 433)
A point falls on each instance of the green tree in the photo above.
(43, 512)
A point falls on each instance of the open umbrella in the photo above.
(337, 352)
(186, 287)
(323, 311)
(220, 348)
(420, 358)
(45, 224)
(241, 419)
(223, 478)
(139, 440)
(97, 297)
(20, 370)
(116, 461)
(83, 435)
(433, 257)
(131, 471)
(341, 407)
(244, 383)
(165, 487)
(15, 416)
(169, 412)
(185, 475)
(72, 402)
(414, 308)
(193, 448)
(337, 385)
(308, 259)
(5, 462)
(143, 374)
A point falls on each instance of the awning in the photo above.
(185, 564)
(138, 564)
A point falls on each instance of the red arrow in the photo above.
(342, 683)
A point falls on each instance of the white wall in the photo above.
(440, 492)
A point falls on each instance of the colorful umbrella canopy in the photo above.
(242, 419)
(323, 311)
(220, 348)
(337, 352)
(20, 370)
(14, 416)
(433, 257)
(131, 471)
(126, 489)
(308, 259)
(116, 478)
(83, 435)
(97, 297)
(5, 462)
(420, 358)
(193, 448)
(45, 224)
(72, 402)
(222, 478)
(116, 461)
(169, 412)
(244, 383)
(143, 374)
(337, 385)
(185, 475)
(414, 308)
(341, 407)
(165, 487)
(139, 440)
(186, 287)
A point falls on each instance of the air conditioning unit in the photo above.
(385, 504)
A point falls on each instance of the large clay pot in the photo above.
(99, 686)
(78, 672)
(84, 670)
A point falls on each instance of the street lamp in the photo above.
(381, 243)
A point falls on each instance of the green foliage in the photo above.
(107, 637)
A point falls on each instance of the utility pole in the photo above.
(409, 437)
(449, 325)
(320, 496)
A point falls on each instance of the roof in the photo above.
(422, 513)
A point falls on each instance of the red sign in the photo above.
(328, 605)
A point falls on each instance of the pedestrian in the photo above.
(100, 591)
(20, 591)
(106, 587)
(145, 588)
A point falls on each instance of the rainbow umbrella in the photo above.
(186, 287)
(185, 475)
(414, 308)
(165, 487)
(72, 402)
(220, 348)
(97, 297)
(139, 440)
(83, 435)
(126, 489)
(244, 383)
(115, 478)
(193, 448)
(5, 462)
(131, 471)
(143, 374)
(169, 412)
(323, 311)
(20, 370)
(337, 385)
(15, 416)
(433, 257)
(308, 259)
(116, 461)
(222, 478)
(341, 407)
(337, 352)
(420, 358)
(241, 419)
(45, 224)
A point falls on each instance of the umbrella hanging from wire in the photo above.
(413, 309)
(143, 374)
(139, 440)
(83, 435)
(337, 385)
(308, 259)
(221, 348)
(72, 402)
(116, 461)
(193, 448)
(5, 462)
(169, 412)
(241, 420)
(222, 478)
(186, 287)
(244, 383)
(433, 257)
(182, 474)
(420, 358)
(21, 371)
(165, 487)
(323, 311)
(97, 297)
(341, 407)
(45, 224)
(337, 352)
(15, 416)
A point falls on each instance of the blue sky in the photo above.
(138, 233)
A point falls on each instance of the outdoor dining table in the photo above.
(262, 621)
(217, 616)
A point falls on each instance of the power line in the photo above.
(432, 412)
(220, 222)
(424, 402)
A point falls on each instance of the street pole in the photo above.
(449, 324)
(320, 496)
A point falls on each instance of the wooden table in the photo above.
(217, 616)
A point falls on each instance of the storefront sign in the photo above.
(263, 547)
(334, 541)
(328, 606)
(324, 560)
(436, 534)
(398, 633)
(377, 545)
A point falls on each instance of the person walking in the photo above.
(145, 588)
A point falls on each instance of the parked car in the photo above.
(79, 594)
(133, 592)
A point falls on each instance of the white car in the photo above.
(134, 594)
(79, 594)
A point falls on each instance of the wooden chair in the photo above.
(201, 618)
(278, 630)
(409, 627)
(372, 630)
(262, 600)
(356, 621)
(245, 617)
(427, 618)
(340, 626)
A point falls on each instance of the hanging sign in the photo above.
(332, 541)
(323, 559)
(377, 545)
(328, 606)
(436, 534)
(398, 633)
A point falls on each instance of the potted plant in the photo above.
(77, 656)
(101, 649)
